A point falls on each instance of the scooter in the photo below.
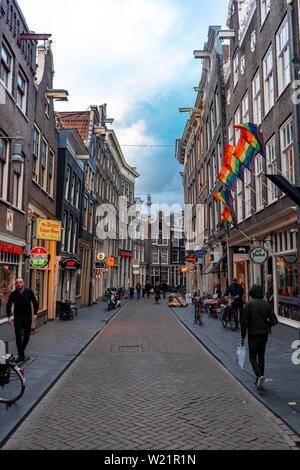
(113, 302)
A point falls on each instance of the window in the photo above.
(4, 152)
(212, 122)
(210, 178)
(70, 230)
(271, 169)
(164, 257)
(283, 57)
(47, 106)
(208, 136)
(72, 196)
(217, 107)
(264, 9)
(22, 86)
(6, 67)
(18, 187)
(240, 199)
(230, 134)
(67, 188)
(259, 182)
(219, 157)
(75, 228)
(245, 108)
(36, 153)
(50, 173)
(78, 187)
(237, 120)
(235, 69)
(155, 256)
(268, 81)
(64, 226)
(85, 213)
(44, 164)
(256, 95)
(248, 193)
(91, 217)
(287, 152)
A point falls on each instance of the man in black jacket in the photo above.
(257, 320)
(236, 293)
(23, 300)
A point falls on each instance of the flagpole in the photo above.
(244, 200)
(246, 236)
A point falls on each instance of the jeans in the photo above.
(22, 330)
(257, 351)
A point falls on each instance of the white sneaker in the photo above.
(260, 383)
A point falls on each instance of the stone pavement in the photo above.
(55, 346)
(146, 383)
(282, 390)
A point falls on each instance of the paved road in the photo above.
(146, 383)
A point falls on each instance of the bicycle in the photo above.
(229, 316)
(12, 379)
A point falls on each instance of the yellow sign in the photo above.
(111, 262)
(48, 230)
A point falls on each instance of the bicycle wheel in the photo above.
(233, 320)
(12, 384)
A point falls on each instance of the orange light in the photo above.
(111, 262)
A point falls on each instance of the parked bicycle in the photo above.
(198, 318)
(12, 379)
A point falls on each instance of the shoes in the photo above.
(260, 383)
(20, 359)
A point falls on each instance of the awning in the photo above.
(218, 265)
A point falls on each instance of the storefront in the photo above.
(10, 270)
(69, 274)
(286, 287)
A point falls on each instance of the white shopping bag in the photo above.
(241, 356)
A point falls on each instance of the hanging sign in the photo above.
(39, 257)
(48, 230)
(259, 255)
(71, 264)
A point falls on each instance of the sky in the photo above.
(136, 56)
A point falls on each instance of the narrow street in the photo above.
(147, 383)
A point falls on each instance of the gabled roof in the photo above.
(75, 120)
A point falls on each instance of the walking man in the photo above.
(236, 293)
(23, 300)
(257, 320)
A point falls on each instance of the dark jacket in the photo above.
(258, 315)
(22, 303)
(235, 290)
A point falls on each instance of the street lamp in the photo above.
(17, 157)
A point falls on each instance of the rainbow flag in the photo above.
(251, 134)
(232, 163)
(228, 178)
(225, 197)
(227, 215)
(245, 153)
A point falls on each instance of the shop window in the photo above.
(287, 286)
(8, 275)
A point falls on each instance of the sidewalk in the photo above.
(282, 394)
(52, 350)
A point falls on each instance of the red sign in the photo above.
(35, 37)
(71, 264)
(126, 254)
(15, 250)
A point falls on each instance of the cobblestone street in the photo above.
(146, 383)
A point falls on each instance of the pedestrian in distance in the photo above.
(148, 288)
(257, 321)
(24, 301)
(164, 289)
(157, 293)
(236, 293)
(138, 290)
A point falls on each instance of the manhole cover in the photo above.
(127, 348)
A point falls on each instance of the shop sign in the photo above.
(49, 230)
(71, 264)
(136, 273)
(201, 253)
(126, 254)
(39, 257)
(10, 220)
(7, 248)
(111, 262)
(100, 265)
(191, 259)
(259, 255)
(241, 250)
(184, 269)
(101, 256)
